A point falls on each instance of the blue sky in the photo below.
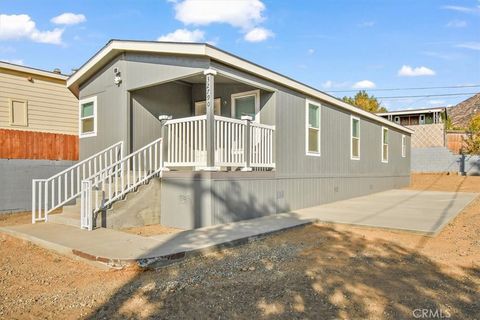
(332, 45)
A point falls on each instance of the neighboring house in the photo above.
(428, 124)
(462, 113)
(434, 148)
(239, 141)
(38, 131)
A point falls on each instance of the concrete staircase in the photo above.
(139, 207)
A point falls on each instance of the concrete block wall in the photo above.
(440, 159)
(16, 181)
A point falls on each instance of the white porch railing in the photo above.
(261, 145)
(115, 181)
(52, 193)
(229, 142)
(187, 143)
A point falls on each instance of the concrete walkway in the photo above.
(418, 211)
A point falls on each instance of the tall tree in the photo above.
(472, 143)
(366, 102)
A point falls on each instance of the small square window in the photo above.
(88, 117)
(18, 112)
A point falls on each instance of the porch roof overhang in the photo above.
(413, 111)
(116, 47)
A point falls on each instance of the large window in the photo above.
(313, 129)
(384, 144)
(404, 146)
(18, 112)
(355, 138)
(88, 117)
(246, 104)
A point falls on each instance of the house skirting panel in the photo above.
(202, 199)
(16, 181)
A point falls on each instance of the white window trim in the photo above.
(83, 101)
(307, 126)
(404, 146)
(256, 94)
(25, 118)
(388, 135)
(352, 117)
(397, 119)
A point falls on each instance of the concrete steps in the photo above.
(71, 213)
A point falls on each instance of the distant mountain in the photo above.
(461, 114)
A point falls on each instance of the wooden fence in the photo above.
(18, 144)
(455, 141)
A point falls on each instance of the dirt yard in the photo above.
(322, 271)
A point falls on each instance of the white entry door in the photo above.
(201, 107)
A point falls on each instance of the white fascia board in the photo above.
(16, 67)
(117, 46)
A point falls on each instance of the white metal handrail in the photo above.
(115, 181)
(52, 193)
(186, 143)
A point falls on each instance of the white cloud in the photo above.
(457, 24)
(470, 10)
(408, 71)
(14, 61)
(436, 102)
(184, 35)
(258, 34)
(311, 51)
(247, 15)
(329, 84)
(69, 18)
(14, 27)
(469, 45)
(244, 14)
(367, 24)
(364, 84)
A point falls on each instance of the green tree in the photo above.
(366, 102)
(472, 143)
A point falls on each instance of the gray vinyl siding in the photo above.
(112, 111)
(144, 70)
(172, 99)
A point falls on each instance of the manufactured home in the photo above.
(188, 135)
(38, 131)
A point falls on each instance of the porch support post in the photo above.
(210, 106)
(246, 151)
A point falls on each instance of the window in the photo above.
(422, 119)
(404, 146)
(397, 119)
(312, 128)
(246, 104)
(384, 144)
(88, 117)
(355, 138)
(18, 112)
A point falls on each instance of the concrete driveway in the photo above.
(412, 210)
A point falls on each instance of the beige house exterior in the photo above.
(36, 100)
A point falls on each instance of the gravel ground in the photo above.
(322, 271)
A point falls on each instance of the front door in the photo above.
(201, 107)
